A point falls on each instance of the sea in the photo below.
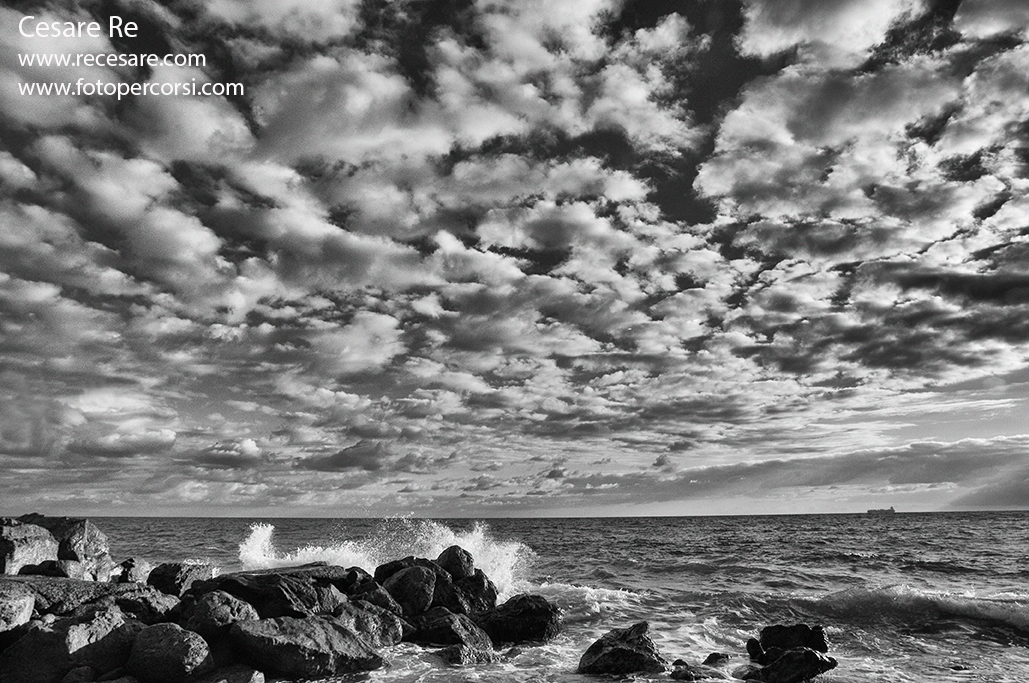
(940, 597)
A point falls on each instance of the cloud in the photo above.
(367, 455)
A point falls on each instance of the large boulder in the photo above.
(375, 594)
(379, 627)
(132, 570)
(440, 627)
(16, 603)
(289, 592)
(477, 591)
(457, 561)
(793, 666)
(303, 648)
(213, 613)
(99, 638)
(623, 651)
(168, 653)
(523, 618)
(464, 655)
(794, 636)
(175, 578)
(24, 544)
(412, 588)
(59, 596)
(237, 673)
(79, 540)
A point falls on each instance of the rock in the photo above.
(116, 675)
(353, 580)
(233, 674)
(100, 639)
(523, 618)
(16, 603)
(478, 592)
(122, 679)
(464, 655)
(375, 594)
(213, 613)
(69, 569)
(291, 592)
(717, 659)
(761, 655)
(60, 596)
(795, 665)
(691, 672)
(623, 651)
(797, 635)
(412, 588)
(168, 653)
(81, 674)
(379, 627)
(457, 562)
(175, 578)
(440, 627)
(79, 540)
(299, 648)
(24, 544)
(133, 570)
(385, 571)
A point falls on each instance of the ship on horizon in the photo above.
(882, 511)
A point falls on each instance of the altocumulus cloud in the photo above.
(675, 255)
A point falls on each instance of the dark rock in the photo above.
(763, 655)
(457, 562)
(692, 672)
(412, 588)
(100, 639)
(81, 674)
(60, 596)
(213, 613)
(289, 592)
(22, 544)
(797, 635)
(353, 580)
(795, 665)
(298, 648)
(237, 673)
(116, 675)
(69, 569)
(523, 618)
(379, 627)
(375, 594)
(133, 571)
(16, 603)
(464, 655)
(716, 659)
(440, 627)
(623, 651)
(477, 591)
(122, 679)
(168, 653)
(754, 649)
(385, 571)
(79, 540)
(175, 578)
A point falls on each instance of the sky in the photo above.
(519, 257)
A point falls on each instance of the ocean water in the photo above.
(940, 597)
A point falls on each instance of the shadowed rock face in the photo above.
(623, 651)
(175, 578)
(168, 653)
(796, 635)
(24, 544)
(315, 646)
(284, 593)
(440, 627)
(522, 619)
(794, 666)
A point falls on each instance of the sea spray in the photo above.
(507, 563)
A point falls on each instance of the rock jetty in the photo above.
(69, 613)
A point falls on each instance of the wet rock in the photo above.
(24, 544)
(290, 592)
(375, 594)
(298, 648)
(457, 561)
(464, 655)
(168, 653)
(762, 655)
(794, 636)
(477, 591)
(16, 603)
(213, 613)
(100, 639)
(79, 540)
(691, 672)
(353, 580)
(412, 588)
(523, 618)
(81, 674)
(440, 627)
(379, 627)
(175, 578)
(233, 674)
(717, 659)
(60, 596)
(133, 570)
(623, 651)
(794, 666)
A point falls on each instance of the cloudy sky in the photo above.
(508, 257)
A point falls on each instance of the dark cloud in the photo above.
(367, 455)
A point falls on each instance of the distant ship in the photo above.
(882, 511)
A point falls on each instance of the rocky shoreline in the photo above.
(70, 614)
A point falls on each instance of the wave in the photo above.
(506, 562)
(907, 604)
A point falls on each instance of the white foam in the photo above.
(505, 562)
